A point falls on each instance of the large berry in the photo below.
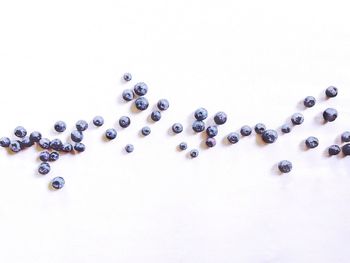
(309, 101)
(260, 128)
(77, 136)
(330, 114)
(141, 103)
(346, 149)
(212, 131)
(334, 150)
(98, 121)
(311, 142)
(163, 104)
(79, 147)
(81, 125)
(5, 142)
(128, 95)
(15, 146)
(331, 92)
(26, 142)
(177, 128)
(345, 137)
(156, 115)
(56, 144)
(44, 143)
(220, 118)
(57, 183)
(198, 126)
(60, 126)
(210, 142)
(297, 118)
(44, 156)
(201, 114)
(67, 147)
(269, 136)
(111, 134)
(44, 168)
(124, 121)
(20, 132)
(140, 88)
(285, 166)
(35, 136)
(246, 130)
(233, 137)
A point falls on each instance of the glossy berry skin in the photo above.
(54, 156)
(35, 136)
(220, 118)
(145, 131)
(345, 137)
(141, 103)
(297, 118)
(194, 153)
(98, 121)
(128, 95)
(201, 114)
(331, 92)
(163, 104)
(111, 134)
(129, 148)
(124, 121)
(79, 147)
(311, 142)
(44, 168)
(183, 146)
(233, 137)
(330, 114)
(198, 126)
(140, 89)
(156, 115)
(26, 142)
(15, 146)
(127, 76)
(346, 149)
(81, 125)
(56, 144)
(5, 142)
(210, 142)
(44, 143)
(309, 101)
(260, 128)
(177, 128)
(269, 136)
(334, 150)
(20, 132)
(76, 136)
(57, 183)
(212, 131)
(286, 128)
(285, 166)
(67, 147)
(44, 156)
(246, 130)
(60, 126)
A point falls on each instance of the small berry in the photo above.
(260, 128)
(44, 143)
(201, 114)
(194, 153)
(212, 131)
(140, 88)
(309, 101)
(35, 136)
(334, 150)
(127, 76)
(297, 118)
(346, 149)
(26, 142)
(44, 168)
(81, 125)
(286, 128)
(5, 142)
(220, 118)
(20, 132)
(56, 144)
(54, 156)
(210, 142)
(156, 115)
(269, 136)
(67, 147)
(331, 92)
(129, 148)
(111, 134)
(60, 126)
(345, 137)
(128, 95)
(177, 128)
(44, 156)
(145, 131)
(98, 121)
(163, 104)
(246, 130)
(311, 142)
(141, 103)
(330, 114)
(233, 137)
(15, 146)
(79, 147)
(77, 136)
(57, 183)
(124, 121)
(183, 146)
(198, 126)
(285, 166)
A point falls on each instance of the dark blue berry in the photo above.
(233, 137)
(54, 156)
(35, 136)
(140, 88)
(26, 142)
(331, 92)
(67, 147)
(334, 150)
(285, 166)
(15, 146)
(246, 130)
(5, 142)
(111, 134)
(77, 136)
(210, 142)
(141, 103)
(145, 131)
(297, 118)
(127, 77)
(44, 156)
(346, 149)
(269, 136)
(183, 146)
(44, 168)
(201, 114)
(212, 131)
(177, 128)
(194, 153)
(128, 95)
(44, 143)
(330, 114)
(98, 121)
(124, 121)
(260, 128)
(20, 132)
(220, 118)
(81, 125)
(79, 147)
(163, 104)
(129, 148)
(345, 137)
(198, 126)
(56, 144)
(156, 115)
(309, 101)
(60, 126)
(57, 183)
(286, 128)
(311, 142)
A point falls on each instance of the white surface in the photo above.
(253, 59)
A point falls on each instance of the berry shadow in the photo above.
(319, 119)
(275, 170)
(259, 141)
(302, 146)
(300, 106)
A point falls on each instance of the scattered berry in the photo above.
(201, 114)
(286, 128)
(44, 143)
(331, 92)
(128, 95)
(15, 146)
(127, 76)
(44, 156)
(233, 137)
(212, 131)
(260, 128)
(311, 142)
(67, 147)
(44, 168)
(194, 153)
(334, 150)
(163, 104)
(56, 144)
(345, 137)
(77, 136)
(98, 121)
(285, 166)
(60, 126)
(141, 103)
(129, 148)
(297, 118)
(346, 149)
(54, 156)
(177, 128)
(210, 142)
(35, 136)
(269, 136)
(183, 146)
(26, 142)
(5, 142)
(111, 134)
(124, 121)
(309, 101)
(20, 132)
(156, 115)
(145, 131)
(198, 126)
(79, 147)
(81, 125)
(57, 183)
(330, 114)
(140, 89)
(246, 130)
(220, 118)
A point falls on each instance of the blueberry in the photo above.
(330, 114)
(156, 115)
(233, 137)
(35, 136)
(246, 130)
(198, 126)
(15, 146)
(220, 118)
(44, 156)
(57, 183)
(194, 153)
(210, 142)
(334, 150)
(44, 143)
(286, 128)
(345, 137)
(260, 128)
(201, 114)
(297, 118)
(5, 142)
(346, 149)
(141, 103)
(77, 136)
(128, 95)
(285, 166)
(79, 147)
(54, 156)
(56, 144)
(177, 128)
(163, 104)
(81, 125)
(20, 132)
(98, 121)
(183, 146)
(145, 131)
(67, 147)
(124, 121)
(140, 88)
(111, 134)
(311, 142)
(309, 101)
(127, 76)
(212, 131)
(331, 92)
(26, 142)
(129, 148)
(44, 168)
(269, 136)
(60, 126)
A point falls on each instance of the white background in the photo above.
(255, 60)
